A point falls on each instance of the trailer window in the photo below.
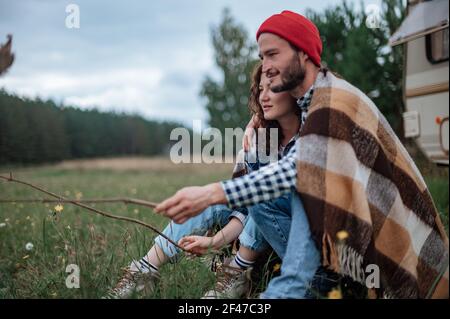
(437, 46)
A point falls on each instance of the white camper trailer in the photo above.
(424, 33)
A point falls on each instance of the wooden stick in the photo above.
(124, 200)
(97, 211)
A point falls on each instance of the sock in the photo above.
(145, 266)
(239, 262)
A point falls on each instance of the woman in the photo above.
(272, 110)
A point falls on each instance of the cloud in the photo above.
(145, 57)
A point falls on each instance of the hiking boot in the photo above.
(232, 283)
(134, 281)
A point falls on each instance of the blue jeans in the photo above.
(216, 215)
(252, 238)
(286, 229)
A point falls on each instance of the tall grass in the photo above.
(102, 247)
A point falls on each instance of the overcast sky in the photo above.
(141, 56)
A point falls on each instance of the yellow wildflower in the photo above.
(59, 208)
(335, 294)
(276, 267)
(342, 235)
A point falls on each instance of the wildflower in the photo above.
(342, 235)
(78, 195)
(2, 225)
(59, 208)
(136, 211)
(276, 267)
(335, 294)
(6, 220)
(29, 246)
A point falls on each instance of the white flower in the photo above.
(29, 246)
(2, 225)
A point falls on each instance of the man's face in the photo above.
(281, 63)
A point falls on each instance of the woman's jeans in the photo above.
(216, 215)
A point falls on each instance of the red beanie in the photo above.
(297, 30)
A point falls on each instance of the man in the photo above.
(367, 207)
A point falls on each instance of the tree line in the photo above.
(36, 131)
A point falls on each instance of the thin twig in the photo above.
(100, 212)
(124, 200)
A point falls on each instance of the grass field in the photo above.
(101, 246)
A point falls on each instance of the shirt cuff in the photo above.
(242, 217)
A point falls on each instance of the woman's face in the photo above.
(275, 105)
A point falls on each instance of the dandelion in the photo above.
(342, 235)
(59, 208)
(276, 267)
(335, 294)
(2, 225)
(29, 246)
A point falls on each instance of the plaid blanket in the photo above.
(368, 206)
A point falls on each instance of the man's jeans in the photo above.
(286, 229)
(216, 215)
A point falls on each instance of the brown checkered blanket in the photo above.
(368, 206)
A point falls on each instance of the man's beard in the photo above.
(291, 78)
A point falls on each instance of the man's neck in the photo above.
(310, 77)
(289, 126)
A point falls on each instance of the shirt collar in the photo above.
(305, 100)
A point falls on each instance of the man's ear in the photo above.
(303, 57)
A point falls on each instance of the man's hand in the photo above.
(191, 201)
(198, 245)
(248, 134)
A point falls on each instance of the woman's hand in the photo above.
(198, 245)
